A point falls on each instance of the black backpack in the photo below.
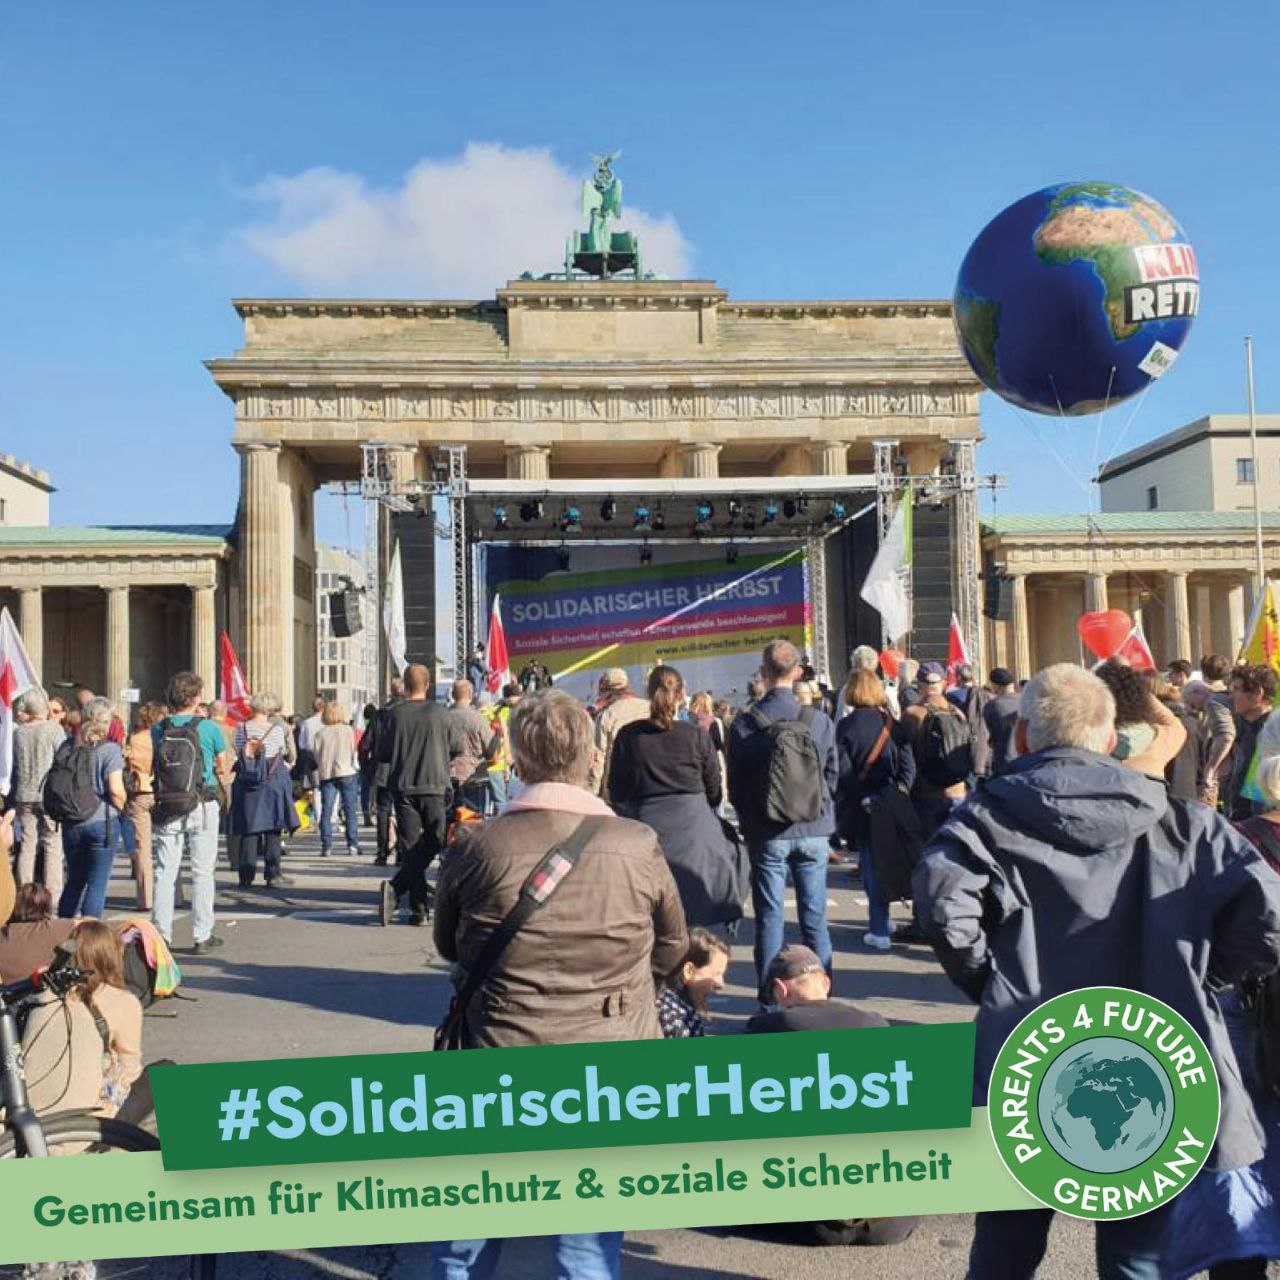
(795, 789)
(69, 794)
(179, 769)
(944, 749)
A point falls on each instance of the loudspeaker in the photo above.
(416, 535)
(997, 596)
(345, 618)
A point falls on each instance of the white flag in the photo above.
(393, 614)
(887, 586)
(17, 676)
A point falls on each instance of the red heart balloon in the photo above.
(1104, 633)
(891, 662)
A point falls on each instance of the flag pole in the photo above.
(1260, 570)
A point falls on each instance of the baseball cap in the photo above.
(933, 673)
(1002, 675)
(614, 678)
(794, 962)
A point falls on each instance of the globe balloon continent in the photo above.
(1076, 297)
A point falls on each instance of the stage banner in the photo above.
(708, 617)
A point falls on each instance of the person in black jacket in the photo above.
(665, 773)
(413, 754)
(873, 756)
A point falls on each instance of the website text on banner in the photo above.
(708, 617)
(388, 1106)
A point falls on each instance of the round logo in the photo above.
(1104, 1103)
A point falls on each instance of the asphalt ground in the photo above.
(308, 970)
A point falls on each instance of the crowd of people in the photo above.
(1104, 827)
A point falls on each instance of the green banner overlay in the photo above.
(77, 1207)
(565, 1097)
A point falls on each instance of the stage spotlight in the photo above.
(571, 521)
(640, 520)
(731, 554)
(702, 517)
(790, 508)
(735, 508)
(646, 554)
(802, 504)
(562, 559)
(749, 520)
(608, 509)
(530, 511)
(770, 513)
(659, 521)
(836, 512)
(500, 518)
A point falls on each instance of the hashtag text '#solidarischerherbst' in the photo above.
(290, 1113)
(374, 1195)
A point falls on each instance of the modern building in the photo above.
(346, 666)
(1205, 466)
(24, 493)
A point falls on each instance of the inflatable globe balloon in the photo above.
(1076, 297)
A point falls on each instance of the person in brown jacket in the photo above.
(619, 707)
(582, 969)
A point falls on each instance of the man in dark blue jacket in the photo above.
(1072, 870)
(776, 848)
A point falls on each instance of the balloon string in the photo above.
(1115, 448)
(1097, 436)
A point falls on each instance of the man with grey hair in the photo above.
(787, 828)
(1070, 869)
(35, 740)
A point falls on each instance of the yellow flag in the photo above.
(1262, 642)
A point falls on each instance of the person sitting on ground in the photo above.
(684, 993)
(85, 1053)
(31, 937)
(1160, 895)
(802, 994)
(619, 707)
(582, 968)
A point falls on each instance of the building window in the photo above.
(1244, 471)
(1153, 498)
(4, 509)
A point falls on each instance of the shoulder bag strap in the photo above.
(537, 891)
(876, 751)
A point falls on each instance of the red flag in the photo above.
(496, 659)
(957, 653)
(232, 688)
(1136, 651)
(17, 676)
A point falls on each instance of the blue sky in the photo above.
(157, 163)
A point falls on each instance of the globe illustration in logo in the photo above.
(1105, 1105)
(1075, 297)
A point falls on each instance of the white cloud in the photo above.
(453, 228)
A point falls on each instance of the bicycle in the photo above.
(30, 1135)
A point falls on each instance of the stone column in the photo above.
(203, 650)
(528, 462)
(31, 624)
(267, 631)
(700, 461)
(402, 463)
(1237, 619)
(1095, 593)
(1178, 617)
(1021, 629)
(831, 458)
(117, 643)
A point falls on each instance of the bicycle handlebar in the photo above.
(59, 979)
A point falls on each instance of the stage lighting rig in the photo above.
(749, 520)
(640, 520)
(734, 508)
(770, 513)
(702, 516)
(608, 509)
(659, 520)
(646, 554)
(500, 519)
(790, 508)
(571, 520)
(530, 511)
(836, 512)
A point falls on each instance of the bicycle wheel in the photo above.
(104, 1135)
(99, 1132)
